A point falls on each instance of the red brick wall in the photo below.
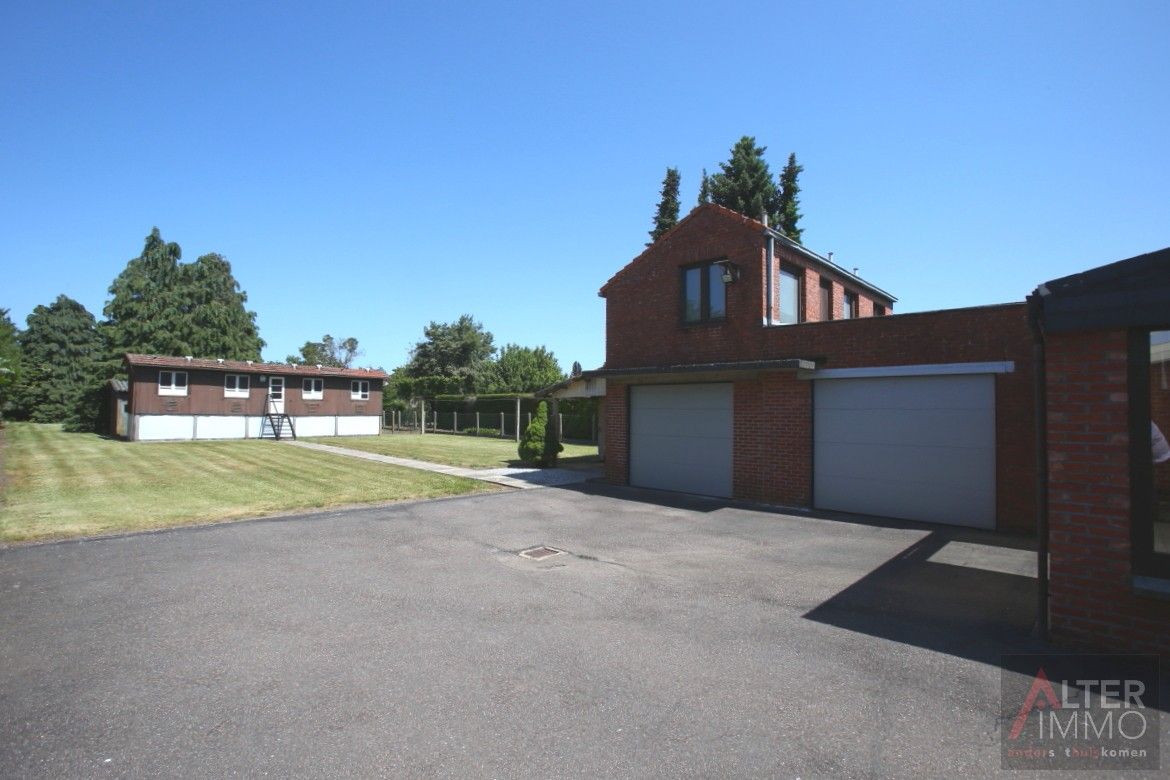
(773, 447)
(1092, 603)
(617, 433)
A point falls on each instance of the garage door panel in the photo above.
(967, 505)
(924, 427)
(915, 465)
(680, 438)
(919, 448)
(914, 393)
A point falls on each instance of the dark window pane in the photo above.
(180, 379)
(826, 300)
(718, 292)
(1159, 430)
(692, 281)
(850, 306)
(789, 298)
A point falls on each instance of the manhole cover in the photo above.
(540, 553)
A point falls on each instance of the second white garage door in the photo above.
(919, 448)
(680, 438)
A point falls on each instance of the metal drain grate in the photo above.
(540, 553)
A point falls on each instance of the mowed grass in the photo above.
(467, 451)
(72, 484)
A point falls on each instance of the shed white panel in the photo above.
(164, 427)
(370, 425)
(220, 427)
(918, 448)
(315, 426)
(680, 438)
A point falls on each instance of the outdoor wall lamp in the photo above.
(730, 272)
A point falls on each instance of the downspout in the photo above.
(769, 258)
(1040, 402)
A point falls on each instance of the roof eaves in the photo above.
(811, 255)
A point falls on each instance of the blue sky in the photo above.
(370, 167)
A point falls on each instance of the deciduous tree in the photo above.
(9, 360)
(461, 350)
(327, 352)
(523, 370)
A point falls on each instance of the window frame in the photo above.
(173, 388)
(237, 391)
(359, 389)
(879, 309)
(795, 272)
(826, 296)
(704, 270)
(312, 395)
(1145, 561)
(851, 305)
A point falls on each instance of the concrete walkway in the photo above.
(521, 478)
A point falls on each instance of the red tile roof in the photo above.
(251, 367)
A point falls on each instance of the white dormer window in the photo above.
(172, 382)
(359, 390)
(236, 386)
(313, 389)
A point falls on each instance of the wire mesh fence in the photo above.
(502, 425)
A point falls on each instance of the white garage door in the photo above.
(680, 438)
(919, 448)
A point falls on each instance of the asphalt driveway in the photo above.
(675, 637)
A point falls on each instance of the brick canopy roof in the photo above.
(250, 367)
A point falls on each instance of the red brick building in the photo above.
(1105, 496)
(741, 364)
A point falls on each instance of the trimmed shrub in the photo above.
(480, 431)
(539, 445)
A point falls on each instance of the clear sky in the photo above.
(370, 167)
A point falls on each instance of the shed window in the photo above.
(359, 389)
(236, 386)
(313, 389)
(172, 382)
(704, 292)
(790, 308)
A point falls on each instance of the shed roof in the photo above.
(250, 366)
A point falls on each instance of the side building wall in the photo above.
(1092, 603)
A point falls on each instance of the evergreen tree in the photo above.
(704, 188)
(538, 444)
(523, 370)
(61, 353)
(327, 352)
(9, 360)
(459, 350)
(667, 215)
(161, 307)
(789, 203)
(745, 184)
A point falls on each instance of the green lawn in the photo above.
(73, 484)
(466, 451)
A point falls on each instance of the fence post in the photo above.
(454, 422)
(435, 420)
(593, 428)
(477, 424)
(517, 420)
(560, 427)
(503, 430)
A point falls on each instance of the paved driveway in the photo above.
(675, 638)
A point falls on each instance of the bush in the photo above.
(539, 445)
(481, 431)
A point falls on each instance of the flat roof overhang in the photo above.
(701, 371)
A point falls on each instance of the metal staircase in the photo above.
(275, 424)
